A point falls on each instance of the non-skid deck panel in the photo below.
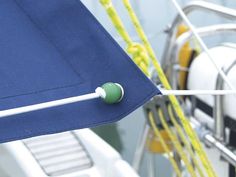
(59, 154)
(56, 49)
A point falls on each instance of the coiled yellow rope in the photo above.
(186, 125)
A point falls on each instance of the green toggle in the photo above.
(114, 92)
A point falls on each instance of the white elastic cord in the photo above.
(198, 92)
(101, 92)
(49, 104)
(204, 47)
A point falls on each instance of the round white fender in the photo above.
(203, 75)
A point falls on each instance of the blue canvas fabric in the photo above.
(56, 49)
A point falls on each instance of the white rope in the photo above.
(50, 104)
(101, 93)
(203, 45)
(198, 92)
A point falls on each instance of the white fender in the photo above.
(203, 75)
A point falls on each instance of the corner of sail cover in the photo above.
(56, 49)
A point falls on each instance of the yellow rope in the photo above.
(186, 125)
(120, 28)
(183, 139)
(107, 4)
(138, 52)
(176, 143)
(140, 57)
(165, 147)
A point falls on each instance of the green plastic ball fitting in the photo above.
(111, 93)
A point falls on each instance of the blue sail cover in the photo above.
(56, 49)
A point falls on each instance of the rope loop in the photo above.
(139, 56)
